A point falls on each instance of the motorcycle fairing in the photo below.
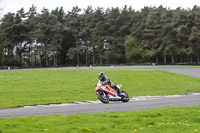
(109, 90)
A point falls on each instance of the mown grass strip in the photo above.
(164, 120)
(20, 88)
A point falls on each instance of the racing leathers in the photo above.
(106, 81)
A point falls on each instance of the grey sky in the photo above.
(14, 5)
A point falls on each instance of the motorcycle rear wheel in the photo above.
(104, 98)
(125, 97)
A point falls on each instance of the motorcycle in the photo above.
(106, 93)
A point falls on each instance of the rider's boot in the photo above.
(117, 90)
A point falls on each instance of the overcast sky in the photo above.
(14, 5)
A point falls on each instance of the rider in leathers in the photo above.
(104, 80)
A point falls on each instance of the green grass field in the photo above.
(164, 120)
(19, 88)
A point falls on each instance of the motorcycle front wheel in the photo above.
(103, 97)
(125, 97)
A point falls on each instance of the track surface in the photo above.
(195, 72)
(65, 109)
(97, 107)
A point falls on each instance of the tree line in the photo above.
(97, 36)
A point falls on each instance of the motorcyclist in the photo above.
(104, 80)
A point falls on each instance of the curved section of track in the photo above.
(195, 72)
(97, 107)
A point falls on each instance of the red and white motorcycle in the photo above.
(106, 93)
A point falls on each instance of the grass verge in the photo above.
(20, 88)
(164, 120)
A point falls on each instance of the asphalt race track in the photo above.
(195, 72)
(138, 103)
(97, 107)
